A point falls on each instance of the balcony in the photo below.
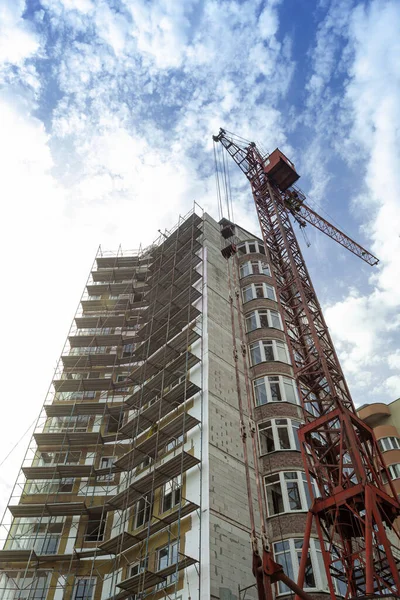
(373, 414)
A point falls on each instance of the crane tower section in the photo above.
(340, 454)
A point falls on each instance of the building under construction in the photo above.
(167, 456)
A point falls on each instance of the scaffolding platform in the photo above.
(59, 471)
(164, 355)
(47, 509)
(147, 579)
(76, 438)
(68, 409)
(165, 434)
(157, 476)
(126, 541)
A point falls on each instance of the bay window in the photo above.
(389, 443)
(268, 350)
(258, 290)
(287, 491)
(254, 267)
(263, 318)
(250, 247)
(278, 434)
(288, 554)
(274, 389)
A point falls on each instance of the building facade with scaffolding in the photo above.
(140, 479)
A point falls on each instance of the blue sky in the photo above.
(107, 110)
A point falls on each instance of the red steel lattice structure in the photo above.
(339, 451)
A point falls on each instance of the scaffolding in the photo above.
(107, 502)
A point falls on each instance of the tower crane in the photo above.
(353, 511)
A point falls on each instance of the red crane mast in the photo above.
(339, 450)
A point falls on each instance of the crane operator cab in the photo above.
(280, 170)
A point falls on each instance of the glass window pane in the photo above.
(295, 429)
(255, 353)
(260, 392)
(255, 267)
(252, 247)
(247, 293)
(263, 319)
(259, 291)
(275, 320)
(270, 292)
(281, 351)
(266, 438)
(261, 248)
(274, 499)
(265, 269)
(242, 249)
(293, 495)
(245, 269)
(268, 350)
(251, 322)
(289, 390)
(283, 437)
(275, 391)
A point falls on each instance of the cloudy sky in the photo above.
(107, 108)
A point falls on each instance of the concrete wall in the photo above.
(230, 548)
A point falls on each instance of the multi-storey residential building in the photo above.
(134, 483)
(385, 421)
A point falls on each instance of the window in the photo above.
(274, 389)
(49, 486)
(251, 246)
(84, 588)
(287, 491)
(278, 434)
(263, 318)
(95, 528)
(167, 556)
(288, 554)
(171, 494)
(394, 471)
(268, 350)
(254, 267)
(106, 462)
(143, 512)
(258, 290)
(42, 535)
(174, 443)
(389, 443)
(24, 585)
(58, 458)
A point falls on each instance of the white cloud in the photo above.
(18, 40)
(366, 326)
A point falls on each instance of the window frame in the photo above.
(268, 291)
(246, 245)
(290, 557)
(256, 316)
(393, 468)
(84, 596)
(146, 510)
(175, 492)
(291, 426)
(263, 354)
(282, 379)
(248, 265)
(302, 491)
(388, 441)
